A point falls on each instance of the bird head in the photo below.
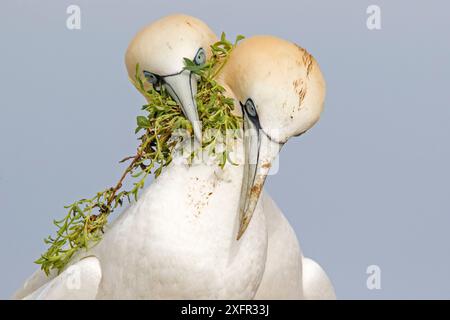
(160, 49)
(281, 91)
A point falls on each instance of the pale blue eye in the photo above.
(151, 77)
(250, 107)
(200, 57)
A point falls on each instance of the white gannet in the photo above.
(159, 48)
(96, 266)
(269, 71)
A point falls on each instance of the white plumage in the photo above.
(187, 249)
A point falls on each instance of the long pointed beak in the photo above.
(259, 154)
(182, 87)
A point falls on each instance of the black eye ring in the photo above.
(250, 108)
(200, 57)
(151, 77)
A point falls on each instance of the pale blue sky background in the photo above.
(368, 185)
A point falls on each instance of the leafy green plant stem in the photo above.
(81, 228)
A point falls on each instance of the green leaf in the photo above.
(143, 122)
(239, 38)
(189, 62)
(191, 66)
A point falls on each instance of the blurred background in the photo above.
(368, 185)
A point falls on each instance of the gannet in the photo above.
(285, 78)
(159, 48)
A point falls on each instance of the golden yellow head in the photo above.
(283, 81)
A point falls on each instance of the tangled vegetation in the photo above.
(86, 219)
